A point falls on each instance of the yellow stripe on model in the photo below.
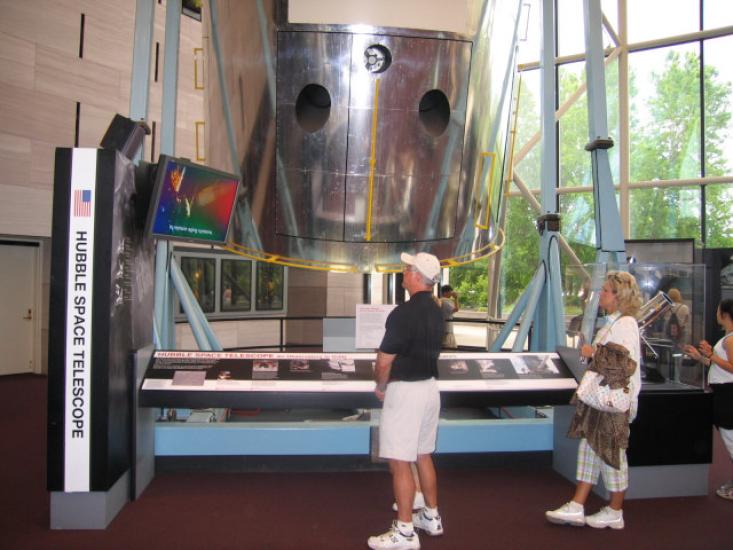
(263, 256)
(491, 187)
(484, 252)
(372, 161)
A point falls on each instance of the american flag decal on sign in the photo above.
(82, 203)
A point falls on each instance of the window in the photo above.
(667, 213)
(528, 128)
(717, 13)
(200, 274)
(520, 253)
(652, 19)
(236, 285)
(270, 287)
(578, 223)
(665, 113)
(227, 286)
(717, 81)
(570, 25)
(676, 179)
(718, 219)
(471, 282)
(575, 161)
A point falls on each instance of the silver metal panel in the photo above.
(307, 192)
(311, 173)
(410, 163)
(318, 198)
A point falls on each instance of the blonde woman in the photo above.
(620, 298)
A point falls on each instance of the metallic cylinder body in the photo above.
(357, 142)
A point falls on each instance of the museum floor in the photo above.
(495, 506)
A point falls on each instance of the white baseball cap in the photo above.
(425, 263)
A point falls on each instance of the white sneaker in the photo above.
(725, 491)
(432, 526)
(417, 504)
(606, 517)
(394, 539)
(570, 513)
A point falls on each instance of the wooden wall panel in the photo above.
(43, 158)
(32, 114)
(51, 23)
(25, 210)
(344, 292)
(17, 57)
(42, 78)
(93, 123)
(109, 27)
(15, 158)
(77, 79)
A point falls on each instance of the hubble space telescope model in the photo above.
(357, 140)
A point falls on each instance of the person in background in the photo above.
(677, 318)
(720, 378)
(405, 374)
(449, 305)
(621, 298)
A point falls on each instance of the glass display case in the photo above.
(672, 316)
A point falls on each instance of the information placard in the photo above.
(370, 321)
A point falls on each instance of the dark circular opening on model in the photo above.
(434, 112)
(377, 58)
(313, 107)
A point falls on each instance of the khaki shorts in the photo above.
(408, 425)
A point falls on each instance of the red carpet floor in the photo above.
(482, 508)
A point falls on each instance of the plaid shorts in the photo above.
(590, 465)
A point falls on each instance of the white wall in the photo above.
(440, 15)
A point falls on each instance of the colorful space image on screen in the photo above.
(194, 202)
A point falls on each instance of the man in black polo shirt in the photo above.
(405, 373)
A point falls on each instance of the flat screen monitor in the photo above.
(191, 202)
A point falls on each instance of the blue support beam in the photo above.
(610, 246)
(542, 303)
(140, 80)
(202, 332)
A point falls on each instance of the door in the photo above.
(18, 264)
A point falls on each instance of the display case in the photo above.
(672, 316)
(196, 379)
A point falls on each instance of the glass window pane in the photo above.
(520, 254)
(610, 10)
(528, 128)
(575, 161)
(718, 219)
(201, 276)
(718, 83)
(578, 220)
(530, 32)
(717, 13)
(471, 282)
(236, 285)
(650, 19)
(571, 28)
(575, 287)
(671, 213)
(270, 287)
(665, 113)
